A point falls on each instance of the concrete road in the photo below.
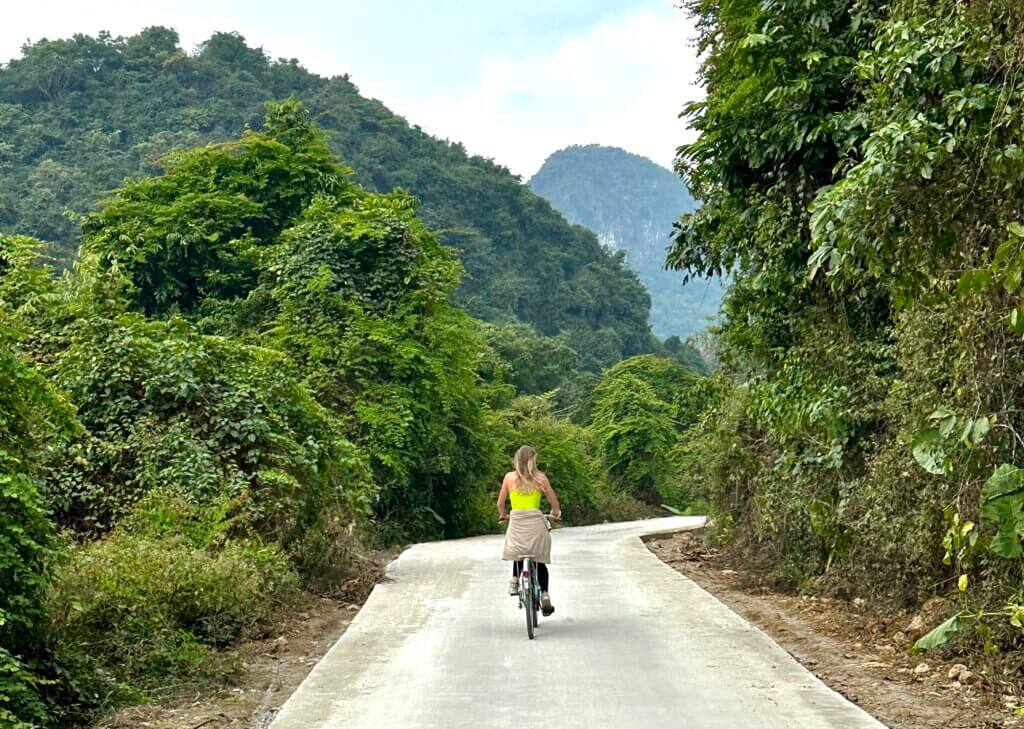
(632, 645)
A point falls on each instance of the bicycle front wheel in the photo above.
(530, 610)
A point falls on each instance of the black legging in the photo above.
(542, 573)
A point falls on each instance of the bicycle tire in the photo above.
(536, 599)
(530, 610)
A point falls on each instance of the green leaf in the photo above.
(755, 39)
(437, 517)
(927, 449)
(979, 430)
(1003, 505)
(1004, 481)
(1006, 544)
(1016, 229)
(939, 634)
(973, 282)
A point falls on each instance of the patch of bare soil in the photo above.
(861, 655)
(272, 669)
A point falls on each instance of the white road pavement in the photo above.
(632, 645)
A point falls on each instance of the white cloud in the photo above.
(621, 83)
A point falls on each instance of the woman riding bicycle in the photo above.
(528, 533)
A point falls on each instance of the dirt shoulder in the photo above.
(860, 655)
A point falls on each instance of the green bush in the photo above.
(610, 505)
(154, 601)
(266, 240)
(535, 364)
(638, 411)
(25, 535)
(34, 424)
(166, 407)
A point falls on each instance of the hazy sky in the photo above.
(511, 80)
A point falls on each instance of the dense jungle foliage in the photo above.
(256, 372)
(78, 116)
(860, 165)
(632, 203)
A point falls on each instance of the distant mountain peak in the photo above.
(631, 202)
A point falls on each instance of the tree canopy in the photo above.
(79, 115)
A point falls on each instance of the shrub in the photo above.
(635, 431)
(155, 599)
(638, 411)
(24, 538)
(613, 505)
(169, 408)
(33, 422)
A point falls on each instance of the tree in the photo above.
(79, 116)
(534, 364)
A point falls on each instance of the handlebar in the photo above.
(505, 518)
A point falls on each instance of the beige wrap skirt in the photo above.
(527, 535)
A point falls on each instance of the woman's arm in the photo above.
(545, 486)
(502, 497)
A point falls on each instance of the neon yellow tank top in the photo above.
(524, 501)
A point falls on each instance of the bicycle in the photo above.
(529, 588)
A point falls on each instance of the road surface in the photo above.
(632, 645)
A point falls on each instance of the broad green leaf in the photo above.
(1003, 505)
(1006, 544)
(1004, 481)
(927, 450)
(1014, 319)
(973, 282)
(979, 430)
(939, 634)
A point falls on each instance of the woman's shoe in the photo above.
(545, 604)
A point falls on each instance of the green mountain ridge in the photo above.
(631, 203)
(79, 116)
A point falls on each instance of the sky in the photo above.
(513, 81)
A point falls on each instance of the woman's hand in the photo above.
(502, 517)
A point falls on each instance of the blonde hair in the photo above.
(526, 469)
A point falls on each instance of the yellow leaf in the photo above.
(962, 583)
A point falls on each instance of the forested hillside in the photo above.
(78, 116)
(257, 372)
(860, 166)
(632, 204)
